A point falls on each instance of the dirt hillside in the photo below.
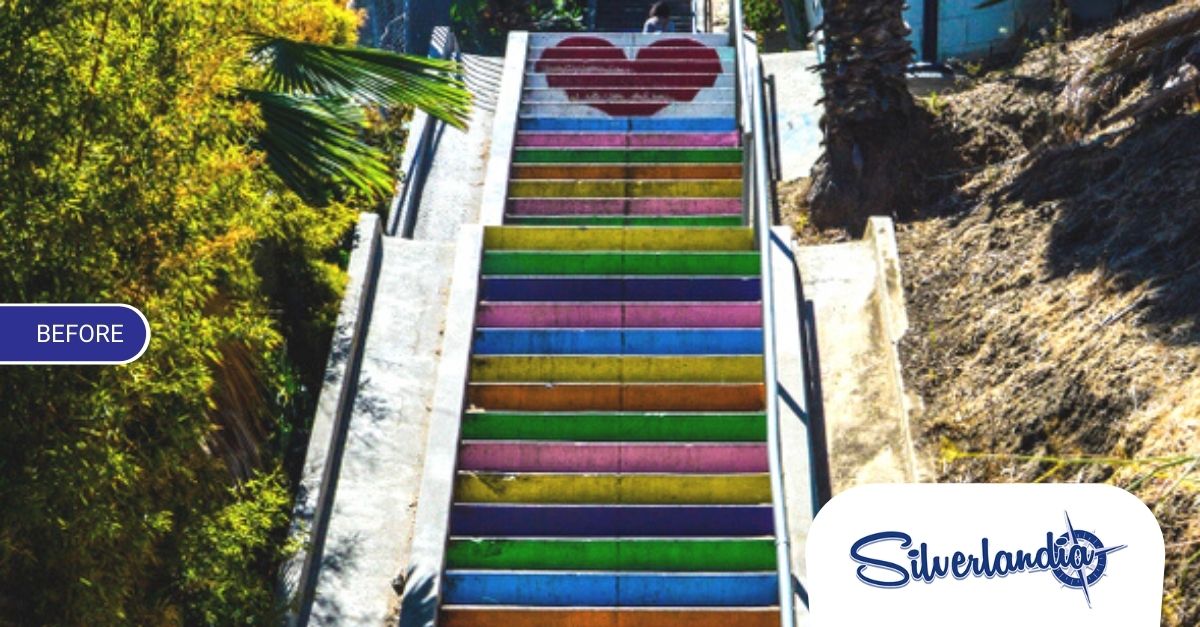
(1054, 288)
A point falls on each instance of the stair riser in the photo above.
(633, 172)
(727, 315)
(645, 207)
(568, 80)
(607, 124)
(626, 189)
(748, 489)
(624, 156)
(615, 239)
(621, 290)
(617, 62)
(613, 555)
(550, 617)
(596, 263)
(568, 457)
(559, 96)
(625, 140)
(724, 52)
(613, 397)
(588, 521)
(626, 590)
(622, 369)
(633, 222)
(624, 40)
(600, 427)
(618, 342)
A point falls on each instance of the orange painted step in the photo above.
(603, 617)
(616, 397)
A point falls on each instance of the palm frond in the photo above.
(364, 75)
(313, 145)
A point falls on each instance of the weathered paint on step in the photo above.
(622, 207)
(634, 221)
(692, 188)
(591, 521)
(576, 369)
(616, 397)
(676, 155)
(618, 342)
(615, 427)
(614, 315)
(587, 81)
(612, 555)
(623, 263)
(700, 171)
(608, 617)
(490, 456)
(629, 124)
(617, 94)
(639, 489)
(613, 239)
(616, 108)
(605, 589)
(626, 140)
(620, 289)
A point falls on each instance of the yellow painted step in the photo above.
(741, 489)
(609, 369)
(617, 238)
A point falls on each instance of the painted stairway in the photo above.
(613, 469)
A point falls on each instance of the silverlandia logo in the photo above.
(1076, 558)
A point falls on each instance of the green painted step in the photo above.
(614, 555)
(625, 155)
(567, 263)
(733, 220)
(615, 427)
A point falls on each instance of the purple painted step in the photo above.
(607, 457)
(625, 206)
(626, 140)
(616, 315)
(594, 521)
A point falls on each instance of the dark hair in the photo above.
(660, 10)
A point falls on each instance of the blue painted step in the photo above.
(595, 521)
(620, 289)
(629, 125)
(618, 342)
(609, 589)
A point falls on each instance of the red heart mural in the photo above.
(666, 71)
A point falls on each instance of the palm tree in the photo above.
(312, 101)
(869, 125)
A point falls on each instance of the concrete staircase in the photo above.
(612, 468)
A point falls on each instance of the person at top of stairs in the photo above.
(659, 20)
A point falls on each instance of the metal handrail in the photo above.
(759, 197)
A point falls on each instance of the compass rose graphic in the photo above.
(1087, 574)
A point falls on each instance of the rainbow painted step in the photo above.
(571, 589)
(580, 314)
(550, 457)
(615, 426)
(626, 207)
(626, 397)
(626, 140)
(690, 555)
(608, 617)
(628, 155)
(622, 368)
(502, 520)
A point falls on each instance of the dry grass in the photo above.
(1055, 292)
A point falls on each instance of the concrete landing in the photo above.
(371, 527)
(798, 88)
(859, 306)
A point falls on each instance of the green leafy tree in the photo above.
(153, 153)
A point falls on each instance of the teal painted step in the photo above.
(698, 221)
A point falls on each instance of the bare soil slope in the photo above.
(1054, 289)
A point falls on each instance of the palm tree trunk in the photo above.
(869, 114)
